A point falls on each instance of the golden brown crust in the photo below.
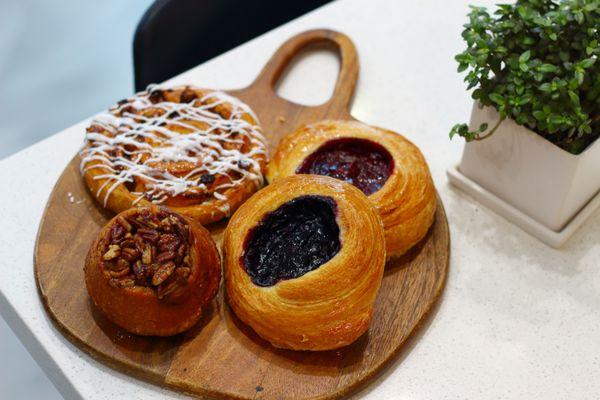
(406, 202)
(138, 309)
(328, 307)
(200, 205)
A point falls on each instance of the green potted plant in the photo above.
(532, 138)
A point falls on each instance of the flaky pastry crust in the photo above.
(328, 307)
(407, 200)
(166, 309)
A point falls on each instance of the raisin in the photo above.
(207, 179)
(187, 96)
(156, 96)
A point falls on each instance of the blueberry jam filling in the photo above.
(363, 163)
(298, 237)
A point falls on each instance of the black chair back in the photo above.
(176, 35)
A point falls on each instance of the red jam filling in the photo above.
(363, 163)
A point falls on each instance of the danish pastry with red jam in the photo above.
(199, 152)
(152, 271)
(304, 260)
(385, 166)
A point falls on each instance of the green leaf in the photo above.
(496, 98)
(547, 68)
(588, 62)
(539, 115)
(463, 131)
(573, 83)
(555, 119)
(574, 98)
(525, 56)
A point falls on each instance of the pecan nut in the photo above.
(148, 249)
(163, 272)
(113, 252)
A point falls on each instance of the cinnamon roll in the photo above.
(199, 152)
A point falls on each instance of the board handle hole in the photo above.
(317, 66)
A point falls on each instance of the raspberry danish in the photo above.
(199, 152)
(152, 271)
(385, 166)
(304, 260)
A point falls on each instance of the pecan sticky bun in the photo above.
(152, 271)
(197, 151)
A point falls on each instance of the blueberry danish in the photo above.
(304, 259)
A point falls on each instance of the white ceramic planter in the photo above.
(530, 173)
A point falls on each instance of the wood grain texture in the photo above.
(220, 356)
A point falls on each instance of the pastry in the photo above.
(199, 152)
(152, 271)
(389, 169)
(304, 259)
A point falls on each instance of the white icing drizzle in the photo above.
(204, 147)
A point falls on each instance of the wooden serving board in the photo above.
(221, 357)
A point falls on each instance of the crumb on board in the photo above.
(72, 199)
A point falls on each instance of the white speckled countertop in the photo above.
(518, 320)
